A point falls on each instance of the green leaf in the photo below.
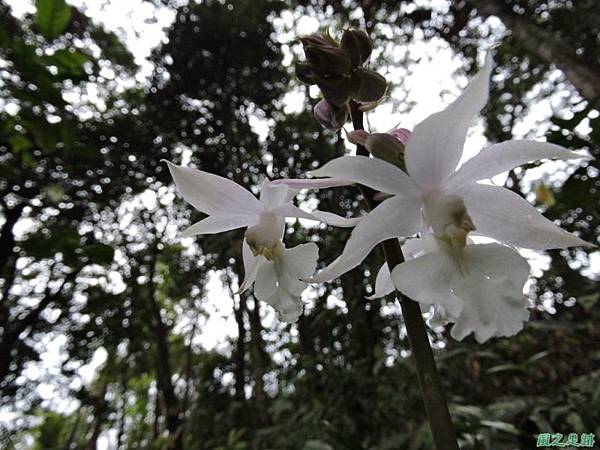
(19, 142)
(52, 17)
(70, 63)
(44, 133)
(502, 426)
(588, 301)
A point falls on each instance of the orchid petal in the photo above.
(393, 218)
(213, 194)
(290, 210)
(273, 195)
(372, 172)
(411, 249)
(501, 214)
(292, 265)
(219, 224)
(383, 283)
(296, 264)
(265, 285)
(335, 220)
(297, 185)
(251, 266)
(428, 280)
(288, 307)
(436, 144)
(492, 293)
(505, 156)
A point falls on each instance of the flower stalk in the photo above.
(430, 383)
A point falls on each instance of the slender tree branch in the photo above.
(432, 391)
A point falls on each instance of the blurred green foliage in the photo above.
(94, 263)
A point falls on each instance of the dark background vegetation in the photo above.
(341, 377)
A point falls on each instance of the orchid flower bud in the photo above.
(387, 147)
(367, 86)
(358, 45)
(402, 134)
(358, 137)
(330, 116)
(318, 39)
(328, 60)
(335, 90)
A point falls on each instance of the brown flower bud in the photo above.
(318, 39)
(328, 60)
(330, 116)
(335, 90)
(367, 86)
(305, 73)
(358, 45)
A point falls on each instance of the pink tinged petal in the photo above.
(213, 194)
(357, 137)
(372, 172)
(505, 156)
(395, 217)
(251, 266)
(296, 185)
(290, 210)
(492, 293)
(273, 195)
(428, 280)
(383, 283)
(436, 144)
(402, 134)
(501, 214)
(219, 224)
(335, 220)
(312, 183)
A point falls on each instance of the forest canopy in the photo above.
(118, 332)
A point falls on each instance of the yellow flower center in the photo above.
(451, 223)
(264, 238)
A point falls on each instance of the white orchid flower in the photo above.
(483, 296)
(447, 199)
(276, 271)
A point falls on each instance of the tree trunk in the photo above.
(239, 354)
(163, 363)
(100, 413)
(189, 365)
(548, 47)
(259, 365)
(73, 432)
(7, 237)
(360, 315)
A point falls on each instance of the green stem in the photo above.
(432, 391)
